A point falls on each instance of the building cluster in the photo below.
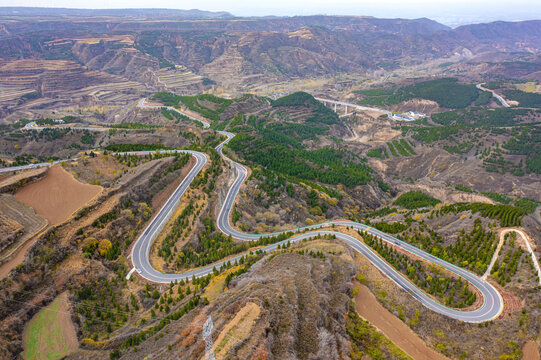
(408, 116)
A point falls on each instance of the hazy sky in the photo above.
(449, 11)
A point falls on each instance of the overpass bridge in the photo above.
(408, 116)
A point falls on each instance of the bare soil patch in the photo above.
(57, 196)
(371, 131)
(511, 303)
(368, 307)
(530, 351)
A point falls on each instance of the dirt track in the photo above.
(530, 351)
(400, 334)
(16, 259)
(57, 196)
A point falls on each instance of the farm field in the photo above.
(18, 223)
(57, 196)
(276, 187)
(50, 334)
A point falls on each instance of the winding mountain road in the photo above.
(33, 126)
(492, 301)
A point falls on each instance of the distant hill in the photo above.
(276, 48)
(184, 14)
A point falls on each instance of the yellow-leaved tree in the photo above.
(104, 247)
(89, 245)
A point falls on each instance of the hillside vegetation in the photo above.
(506, 139)
(415, 200)
(279, 146)
(447, 92)
(525, 99)
(208, 105)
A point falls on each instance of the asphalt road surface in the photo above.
(32, 166)
(500, 99)
(492, 300)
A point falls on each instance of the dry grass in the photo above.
(216, 285)
(236, 330)
(97, 170)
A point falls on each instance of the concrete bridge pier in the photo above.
(346, 111)
(334, 107)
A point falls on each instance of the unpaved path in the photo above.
(368, 307)
(17, 257)
(530, 351)
(527, 244)
(57, 196)
(494, 256)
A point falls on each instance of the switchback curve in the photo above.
(492, 301)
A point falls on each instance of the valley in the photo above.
(280, 176)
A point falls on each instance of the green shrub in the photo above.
(415, 199)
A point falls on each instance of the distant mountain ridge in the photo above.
(44, 11)
(220, 47)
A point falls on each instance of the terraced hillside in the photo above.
(18, 223)
(204, 146)
(192, 55)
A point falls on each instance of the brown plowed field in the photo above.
(57, 195)
(530, 351)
